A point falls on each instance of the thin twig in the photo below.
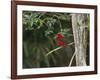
(70, 43)
(53, 50)
(72, 59)
(57, 49)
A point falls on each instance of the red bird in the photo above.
(61, 40)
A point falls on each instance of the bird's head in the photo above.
(59, 35)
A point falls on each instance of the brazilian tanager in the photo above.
(61, 41)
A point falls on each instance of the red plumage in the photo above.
(59, 36)
(61, 40)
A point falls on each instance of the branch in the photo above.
(72, 59)
(53, 50)
(57, 49)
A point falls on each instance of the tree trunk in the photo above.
(79, 25)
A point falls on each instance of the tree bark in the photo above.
(79, 26)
